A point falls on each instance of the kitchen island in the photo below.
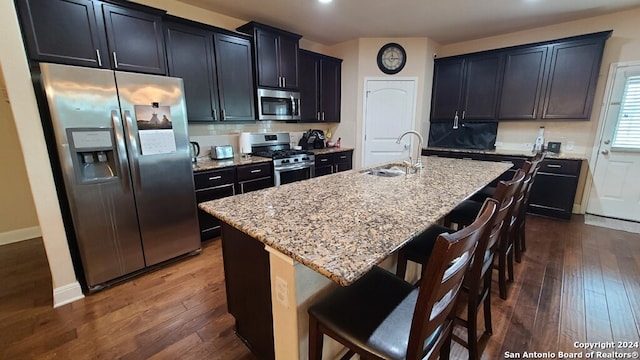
(285, 246)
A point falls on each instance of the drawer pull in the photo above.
(554, 166)
(256, 171)
(324, 160)
(343, 157)
(215, 177)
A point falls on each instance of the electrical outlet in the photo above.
(282, 291)
(498, 143)
(570, 145)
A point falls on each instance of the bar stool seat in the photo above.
(380, 324)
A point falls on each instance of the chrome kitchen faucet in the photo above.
(418, 165)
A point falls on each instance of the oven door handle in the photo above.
(297, 167)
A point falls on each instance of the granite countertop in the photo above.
(549, 155)
(344, 224)
(206, 163)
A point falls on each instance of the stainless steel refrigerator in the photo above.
(123, 149)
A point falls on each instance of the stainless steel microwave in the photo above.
(278, 104)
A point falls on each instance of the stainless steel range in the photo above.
(289, 165)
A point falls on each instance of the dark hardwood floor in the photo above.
(577, 283)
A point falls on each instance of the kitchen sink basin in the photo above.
(388, 170)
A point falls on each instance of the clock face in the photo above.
(391, 58)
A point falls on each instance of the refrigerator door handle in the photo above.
(133, 146)
(122, 150)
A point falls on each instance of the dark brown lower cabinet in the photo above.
(333, 162)
(554, 189)
(211, 185)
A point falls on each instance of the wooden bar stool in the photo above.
(477, 282)
(381, 316)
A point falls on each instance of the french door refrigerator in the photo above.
(123, 149)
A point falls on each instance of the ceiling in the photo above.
(446, 22)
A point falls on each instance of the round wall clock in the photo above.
(391, 58)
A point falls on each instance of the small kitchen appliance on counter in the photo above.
(312, 139)
(221, 152)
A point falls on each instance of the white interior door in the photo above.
(390, 107)
(615, 191)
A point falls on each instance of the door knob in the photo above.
(605, 152)
(607, 142)
(406, 146)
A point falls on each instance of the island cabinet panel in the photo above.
(190, 56)
(234, 71)
(211, 185)
(94, 34)
(466, 87)
(572, 79)
(248, 285)
(320, 87)
(64, 31)
(522, 83)
(276, 55)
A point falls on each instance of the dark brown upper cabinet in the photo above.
(190, 56)
(522, 83)
(551, 80)
(135, 40)
(64, 31)
(573, 76)
(276, 55)
(235, 78)
(94, 34)
(466, 88)
(216, 69)
(320, 86)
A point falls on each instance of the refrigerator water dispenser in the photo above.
(93, 154)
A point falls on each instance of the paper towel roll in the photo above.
(245, 143)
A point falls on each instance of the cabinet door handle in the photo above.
(323, 116)
(284, 81)
(115, 60)
(318, 116)
(224, 116)
(215, 177)
(463, 111)
(554, 166)
(214, 113)
(324, 160)
(256, 171)
(343, 157)
(98, 57)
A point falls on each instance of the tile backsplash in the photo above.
(208, 135)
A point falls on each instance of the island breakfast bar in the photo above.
(283, 247)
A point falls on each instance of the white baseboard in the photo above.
(20, 235)
(67, 294)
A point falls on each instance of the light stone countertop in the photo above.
(205, 163)
(343, 224)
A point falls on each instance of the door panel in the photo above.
(447, 89)
(389, 111)
(235, 78)
(615, 191)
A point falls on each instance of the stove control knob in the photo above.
(285, 161)
(305, 158)
(296, 159)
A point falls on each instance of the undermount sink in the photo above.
(389, 170)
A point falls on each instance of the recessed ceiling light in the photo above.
(325, 1)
